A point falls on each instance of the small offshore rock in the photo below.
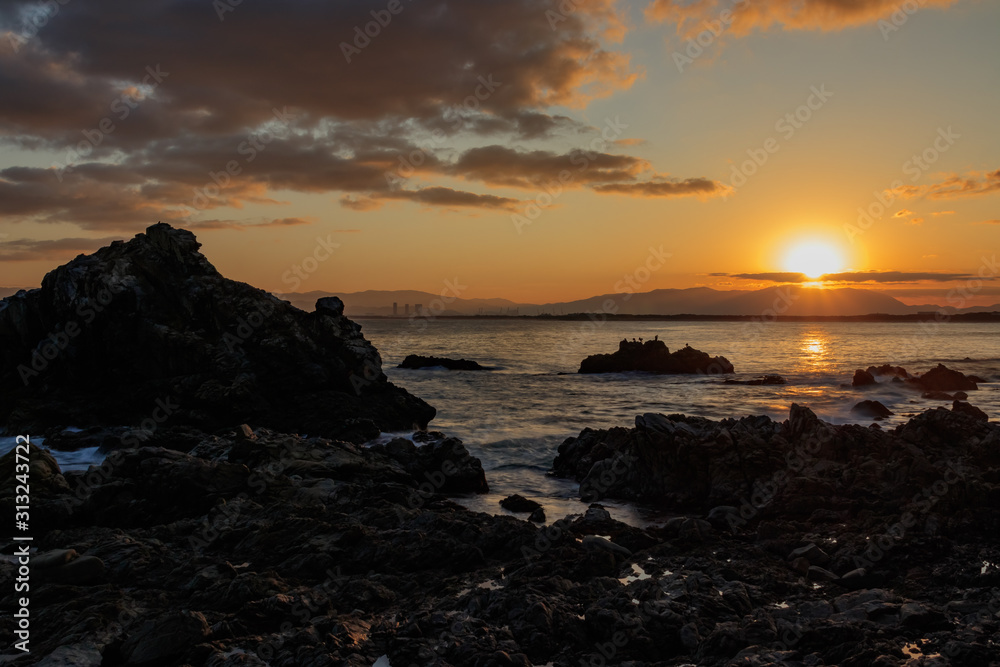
(519, 504)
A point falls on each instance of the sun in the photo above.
(814, 259)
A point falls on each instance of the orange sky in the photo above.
(534, 155)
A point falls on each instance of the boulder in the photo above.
(969, 409)
(170, 636)
(653, 356)
(863, 379)
(942, 378)
(871, 410)
(442, 462)
(519, 504)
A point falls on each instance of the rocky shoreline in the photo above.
(794, 543)
(249, 527)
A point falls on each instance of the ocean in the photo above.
(514, 417)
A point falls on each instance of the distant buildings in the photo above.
(395, 309)
(406, 310)
(417, 308)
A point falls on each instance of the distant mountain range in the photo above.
(791, 301)
(787, 300)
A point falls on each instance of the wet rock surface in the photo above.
(935, 383)
(653, 356)
(149, 332)
(872, 410)
(256, 547)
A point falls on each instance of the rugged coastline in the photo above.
(234, 532)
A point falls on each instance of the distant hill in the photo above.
(789, 300)
(800, 301)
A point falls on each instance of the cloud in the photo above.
(662, 187)
(746, 16)
(447, 197)
(777, 277)
(241, 225)
(893, 277)
(499, 165)
(634, 141)
(32, 250)
(853, 277)
(146, 127)
(990, 222)
(362, 203)
(902, 214)
(972, 184)
(937, 213)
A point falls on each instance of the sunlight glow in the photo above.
(814, 258)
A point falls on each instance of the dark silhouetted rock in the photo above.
(871, 410)
(291, 550)
(654, 357)
(417, 361)
(941, 396)
(763, 380)
(888, 370)
(969, 409)
(443, 463)
(942, 378)
(147, 333)
(863, 379)
(519, 504)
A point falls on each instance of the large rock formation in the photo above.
(653, 356)
(148, 332)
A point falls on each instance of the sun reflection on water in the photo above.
(814, 351)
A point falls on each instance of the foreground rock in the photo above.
(416, 361)
(148, 332)
(260, 548)
(653, 356)
(686, 462)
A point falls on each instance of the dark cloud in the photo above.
(777, 277)
(447, 197)
(499, 165)
(31, 250)
(167, 110)
(853, 277)
(663, 187)
(894, 277)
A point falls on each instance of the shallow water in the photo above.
(515, 417)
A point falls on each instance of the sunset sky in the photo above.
(538, 151)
